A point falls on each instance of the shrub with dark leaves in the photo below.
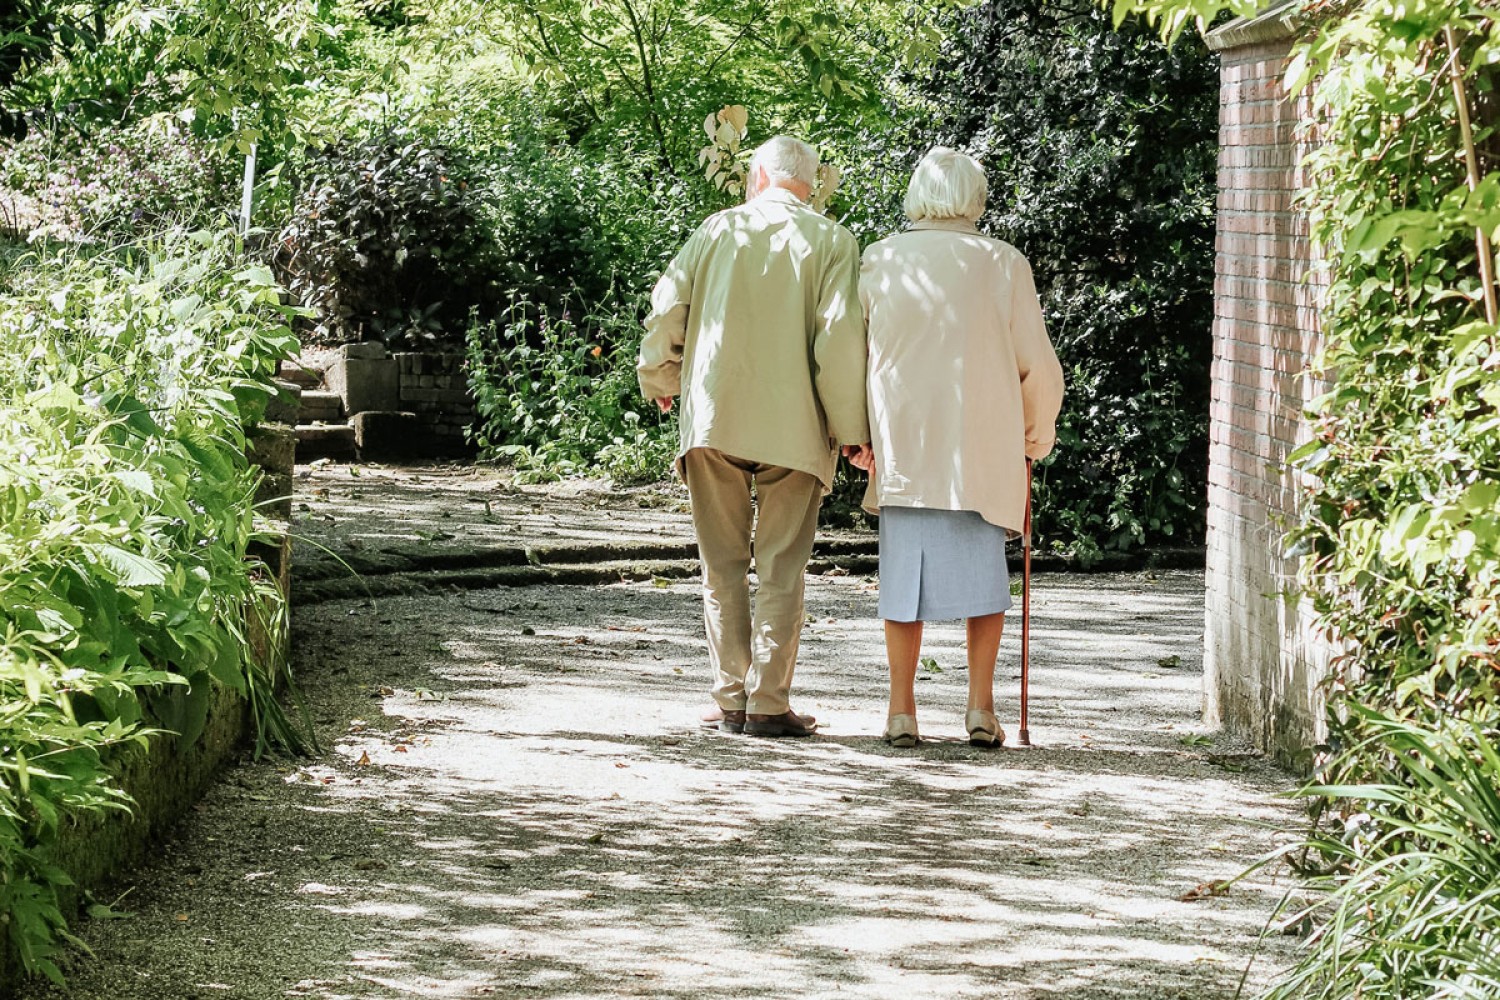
(386, 241)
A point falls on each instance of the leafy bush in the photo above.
(570, 225)
(126, 384)
(116, 183)
(1400, 520)
(385, 241)
(1407, 895)
(562, 399)
(1401, 524)
(1100, 147)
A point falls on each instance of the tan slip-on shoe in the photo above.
(901, 731)
(984, 729)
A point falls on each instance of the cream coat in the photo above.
(756, 324)
(964, 384)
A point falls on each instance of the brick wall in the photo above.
(1263, 663)
(436, 388)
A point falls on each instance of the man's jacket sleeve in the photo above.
(840, 350)
(659, 366)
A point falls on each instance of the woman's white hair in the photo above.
(786, 159)
(947, 184)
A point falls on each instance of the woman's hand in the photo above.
(860, 456)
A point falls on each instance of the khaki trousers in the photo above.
(753, 657)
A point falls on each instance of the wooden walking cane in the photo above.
(1023, 736)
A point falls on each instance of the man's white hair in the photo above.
(947, 184)
(786, 159)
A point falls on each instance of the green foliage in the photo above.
(647, 71)
(570, 226)
(240, 70)
(1100, 147)
(1401, 524)
(1172, 17)
(557, 398)
(1400, 520)
(115, 183)
(385, 241)
(1407, 898)
(32, 34)
(126, 384)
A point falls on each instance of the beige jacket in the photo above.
(756, 324)
(964, 384)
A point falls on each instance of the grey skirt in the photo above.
(940, 564)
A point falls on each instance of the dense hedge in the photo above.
(126, 383)
(1401, 523)
(1101, 148)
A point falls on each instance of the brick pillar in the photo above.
(1263, 663)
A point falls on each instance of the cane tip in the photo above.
(1023, 738)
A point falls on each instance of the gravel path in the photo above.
(517, 801)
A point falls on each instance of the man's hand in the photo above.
(861, 456)
(664, 404)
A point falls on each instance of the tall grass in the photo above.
(1406, 895)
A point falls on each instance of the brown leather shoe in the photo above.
(734, 721)
(785, 724)
(726, 721)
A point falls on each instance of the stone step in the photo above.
(293, 370)
(284, 407)
(316, 441)
(321, 405)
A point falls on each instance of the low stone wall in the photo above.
(436, 388)
(403, 406)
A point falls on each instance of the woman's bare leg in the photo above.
(984, 647)
(903, 644)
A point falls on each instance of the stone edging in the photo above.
(404, 572)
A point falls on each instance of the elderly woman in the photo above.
(964, 390)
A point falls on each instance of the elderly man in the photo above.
(757, 325)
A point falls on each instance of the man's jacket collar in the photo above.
(780, 194)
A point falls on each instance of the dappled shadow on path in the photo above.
(534, 813)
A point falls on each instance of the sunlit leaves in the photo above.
(1172, 17)
(646, 71)
(724, 160)
(126, 382)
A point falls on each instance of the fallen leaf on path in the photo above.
(103, 911)
(1170, 661)
(597, 838)
(1205, 890)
